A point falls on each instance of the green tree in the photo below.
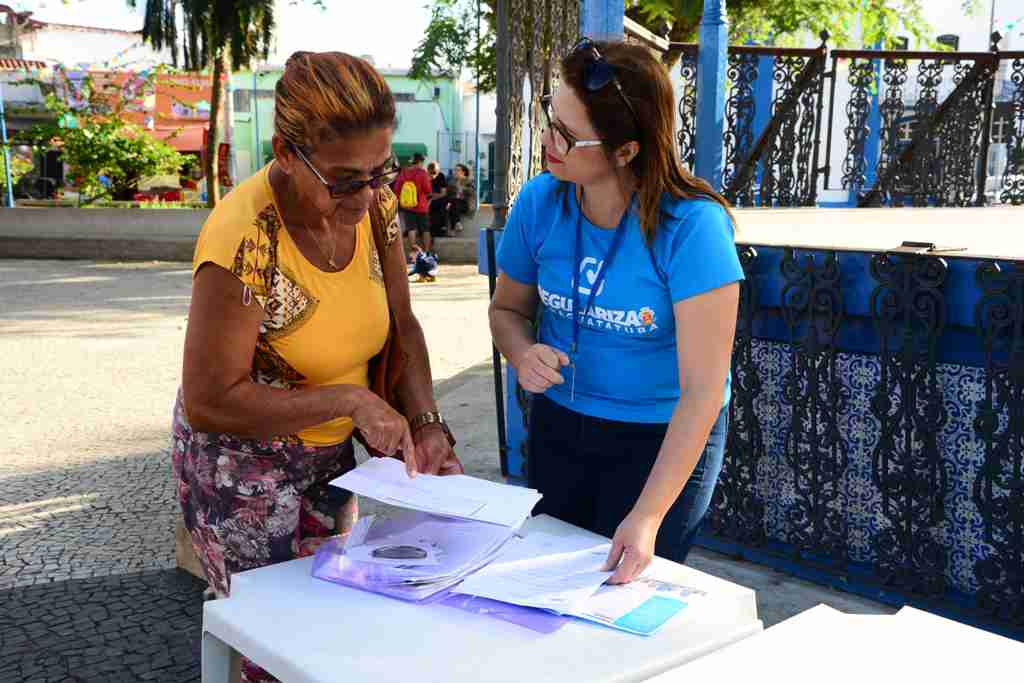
(450, 42)
(96, 140)
(226, 34)
(19, 167)
(851, 23)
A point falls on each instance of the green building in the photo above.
(429, 118)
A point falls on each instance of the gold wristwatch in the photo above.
(433, 417)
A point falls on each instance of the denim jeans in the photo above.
(591, 472)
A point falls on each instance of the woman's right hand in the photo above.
(539, 368)
(385, 429)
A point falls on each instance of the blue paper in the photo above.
(650, 615)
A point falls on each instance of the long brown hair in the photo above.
(326, 95)
(647, 85)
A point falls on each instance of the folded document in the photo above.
(458, 495)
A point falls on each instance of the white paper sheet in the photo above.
(528, 573)
(459, 496)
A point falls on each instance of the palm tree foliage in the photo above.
(225, 34)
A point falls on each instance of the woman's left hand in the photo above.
(433, 452)
(632, 547)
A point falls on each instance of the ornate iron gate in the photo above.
(915, 128)
(775, 164)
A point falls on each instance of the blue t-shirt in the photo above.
(626, 363)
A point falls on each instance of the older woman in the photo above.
(298, 274)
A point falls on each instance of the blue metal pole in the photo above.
(763, 92)
(711, 64)
(603, 19)
(7, 152)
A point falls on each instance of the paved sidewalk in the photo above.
(92, 360)
(88, 589)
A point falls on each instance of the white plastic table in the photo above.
(304, 630)
(823, 644)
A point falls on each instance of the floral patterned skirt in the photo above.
(249, 503)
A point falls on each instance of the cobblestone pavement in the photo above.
(91, 355)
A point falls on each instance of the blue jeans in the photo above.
(591, 472)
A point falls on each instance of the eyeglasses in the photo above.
(564, 141)
(598, 73)
(349, 187)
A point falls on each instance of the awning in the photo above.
(188, 139)
(405, 150)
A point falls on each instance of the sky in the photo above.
(353, 26)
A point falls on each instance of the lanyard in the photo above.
(606, 265)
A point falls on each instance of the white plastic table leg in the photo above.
(220, 662)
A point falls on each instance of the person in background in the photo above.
(438, 200)
(632, 259)
(461, 197)
(413, 187)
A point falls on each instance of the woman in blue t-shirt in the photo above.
(629, 416)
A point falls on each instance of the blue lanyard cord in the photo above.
(613, 250)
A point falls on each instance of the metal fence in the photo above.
(902, 128)
(877, 428)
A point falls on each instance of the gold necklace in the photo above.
(330, 257)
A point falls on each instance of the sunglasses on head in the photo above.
(598, 73)
(350, 187)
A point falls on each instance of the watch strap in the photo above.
(429, 418)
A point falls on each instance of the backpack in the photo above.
(408, 197)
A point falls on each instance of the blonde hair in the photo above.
(647, 85)
(327, 95)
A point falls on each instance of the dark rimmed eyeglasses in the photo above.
(598, 73)
(564, 141)
(350, 187)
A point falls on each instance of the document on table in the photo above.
(540, 571)
(640, 607)
(459, 495)
(528, 573)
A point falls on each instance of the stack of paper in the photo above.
(456, 524)
(540, 571)
(459, 495)
(412, 556)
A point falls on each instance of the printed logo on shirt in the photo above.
(639, 321)
(590, 267)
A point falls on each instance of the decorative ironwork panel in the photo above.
(740, 110)
(909, 310)
(688, 108)
(999, 489)
(805, 191)
(932, 142)
(861, 78)
(961, 133)
(787, 177)
(737, 511)
(815, 449)
(921, 181)
(1013, 177)
(894, 77)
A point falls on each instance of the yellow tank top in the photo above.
(319, 328)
